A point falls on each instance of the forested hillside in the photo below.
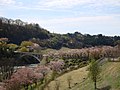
(17, 31)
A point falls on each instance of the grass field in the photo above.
(110, 79)
(54, 50)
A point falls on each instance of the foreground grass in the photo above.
(110, 79)
(76, 77)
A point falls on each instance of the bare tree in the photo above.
(57, 84)
(69, 79)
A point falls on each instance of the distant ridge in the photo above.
(17, 31)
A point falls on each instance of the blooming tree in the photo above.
(42, 69)
(56, 65)
(22, 77)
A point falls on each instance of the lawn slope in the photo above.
(110, 79)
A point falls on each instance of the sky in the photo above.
(67, 16)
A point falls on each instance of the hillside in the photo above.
(17, 31)
(79, 79)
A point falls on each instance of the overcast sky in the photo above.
(63, 16)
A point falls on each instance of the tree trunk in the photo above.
(95, 85)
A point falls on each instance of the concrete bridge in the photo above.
(36, 56)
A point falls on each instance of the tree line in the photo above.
(17, 31)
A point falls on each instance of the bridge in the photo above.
(36, 57)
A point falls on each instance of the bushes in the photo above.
(6, 68)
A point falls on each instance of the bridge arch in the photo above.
(28, 59)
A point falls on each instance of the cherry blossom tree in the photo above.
(57, 65)
(22, 77)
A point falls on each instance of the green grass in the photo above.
(110, 78)
(46, 51)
